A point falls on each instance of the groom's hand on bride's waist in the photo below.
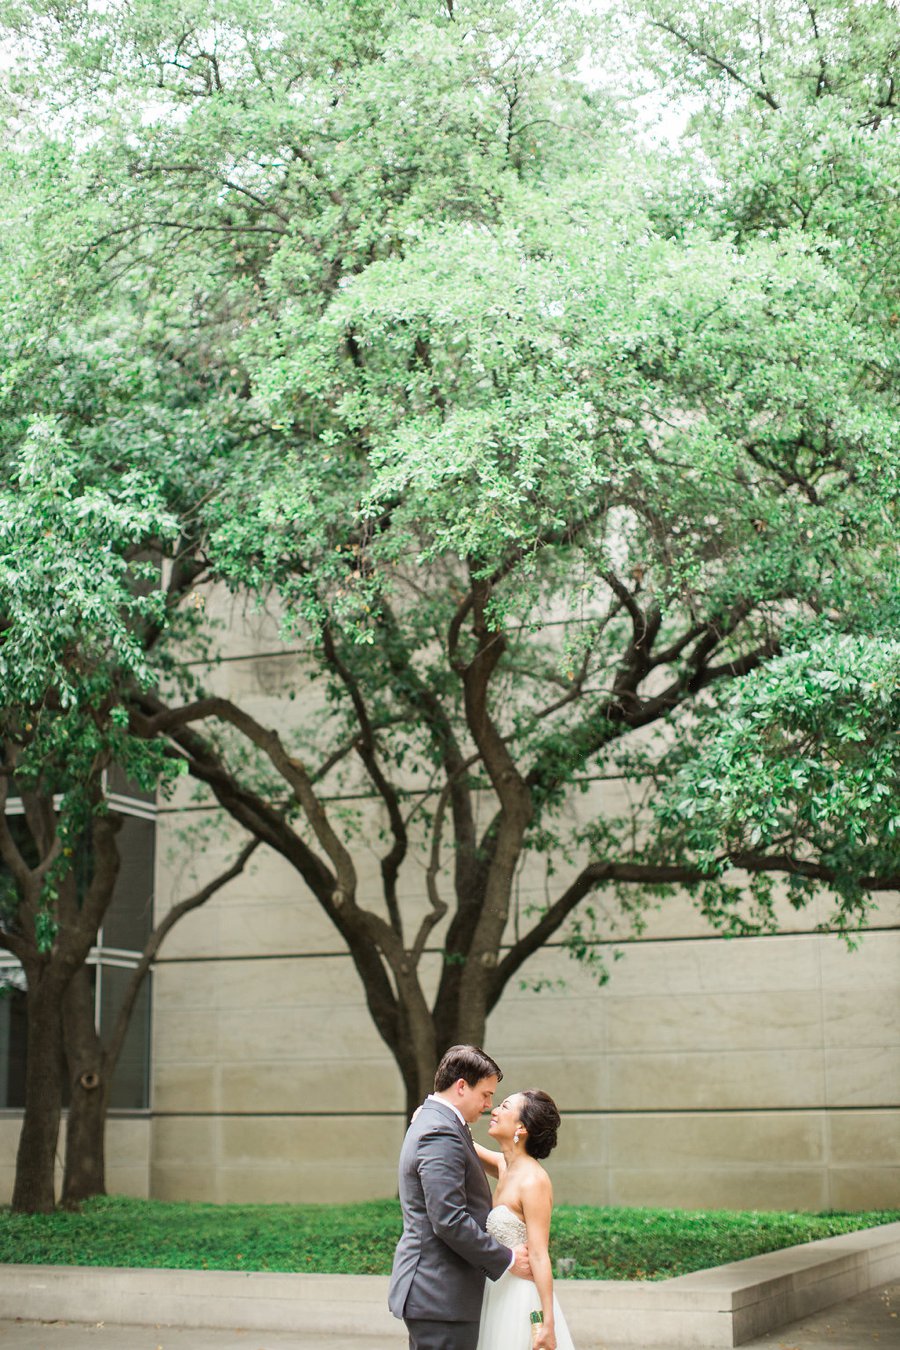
(521, 1266)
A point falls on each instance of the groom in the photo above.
(444, 1253)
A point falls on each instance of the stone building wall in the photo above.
(757, 1072)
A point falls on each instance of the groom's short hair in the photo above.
(467, 1062)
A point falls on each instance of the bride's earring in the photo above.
(516, 1137)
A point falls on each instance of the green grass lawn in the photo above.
(605, 1244)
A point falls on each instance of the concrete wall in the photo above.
(763, 1073)
(127, 1154)
(760, 1072)
(757, 1072)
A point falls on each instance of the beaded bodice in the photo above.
(506, 1226)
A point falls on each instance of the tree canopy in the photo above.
(565, 456)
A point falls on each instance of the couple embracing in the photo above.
(456, 1237)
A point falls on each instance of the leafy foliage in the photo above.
(806, 748)
(70, 596)
(537, 440)
(613, 1244)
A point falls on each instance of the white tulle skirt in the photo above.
(505, 1320)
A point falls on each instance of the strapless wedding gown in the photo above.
(505, 1321)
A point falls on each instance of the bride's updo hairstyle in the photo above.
(541, 1119)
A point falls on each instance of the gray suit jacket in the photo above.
(444, 1253)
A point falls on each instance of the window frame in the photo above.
(100, 955)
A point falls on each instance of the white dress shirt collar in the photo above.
(433, 1097)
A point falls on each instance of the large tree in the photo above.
(577, 532)
(539, 442)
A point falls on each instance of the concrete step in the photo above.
(112, 1336)
(723, 1307)
(871, 1319)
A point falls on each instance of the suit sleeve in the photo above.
(441, 1165)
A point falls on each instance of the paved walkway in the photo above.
(864, 1323)
(871, 1320)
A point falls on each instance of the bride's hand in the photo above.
(545, 1338)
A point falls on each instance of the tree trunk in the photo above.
(424, 1043)
(418, 1081)
(418, 1077)
(35, 1185)
(85, 1168)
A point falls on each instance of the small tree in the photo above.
(91, 1061)
(48, 900)
(93, 569)
(78, 624)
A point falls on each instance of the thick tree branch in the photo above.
(667, 655)
(598, 874)
(9, 850)
(438, 906)
(365, 934)
(41, 820)
(10, 942)
(366, 746)
(700, 676)
(516, 808)
(97, 897)
(589, 879)
(476, 676)
(151, 718)
(291, 769)
(812, 871)
(425, 703)
(625, 710)
(645, 626)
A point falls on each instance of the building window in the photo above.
(12, 1036)
(126, 927)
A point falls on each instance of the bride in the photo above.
(524, 1125)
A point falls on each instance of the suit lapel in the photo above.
(461, 1127)
(475, 1177)
(467, 1134)
(445, 1113)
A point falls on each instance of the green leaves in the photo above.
(804, 762)
(71, 589)
(385, 319)
(604, 1243)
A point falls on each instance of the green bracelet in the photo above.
(537, 1317)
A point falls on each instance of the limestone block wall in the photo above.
(127, 1153)
(757, 1072)
(760, 1072)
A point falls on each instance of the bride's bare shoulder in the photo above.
(536, 1184)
